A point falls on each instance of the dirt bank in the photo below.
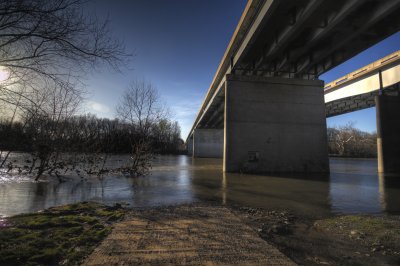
(340, 240)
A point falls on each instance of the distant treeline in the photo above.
(86, 134)
(348, 141)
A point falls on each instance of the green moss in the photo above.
(112, 215)
(115, 217)
(62, 234)
(47, 256)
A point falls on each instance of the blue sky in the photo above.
(177, 45)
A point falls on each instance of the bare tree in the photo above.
(141, 107)
(53, 38)
(47, 124)
(44, 42)
(349, 141)
(45, 49)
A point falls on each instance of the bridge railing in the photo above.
(363, 71)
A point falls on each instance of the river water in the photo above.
(353, 186)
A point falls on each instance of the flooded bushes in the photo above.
(83, 144)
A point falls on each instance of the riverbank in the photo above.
(195, 233)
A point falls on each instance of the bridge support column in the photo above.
(274, 125)
(208, 143)
(388, 131)
(189, 147)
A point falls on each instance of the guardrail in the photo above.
(364, 70)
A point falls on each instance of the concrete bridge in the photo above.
(376, 84)
(265, 108)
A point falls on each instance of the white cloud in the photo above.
(97, 108)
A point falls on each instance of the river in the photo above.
(353, 186)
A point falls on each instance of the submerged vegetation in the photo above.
(83, 144)
(62, 235)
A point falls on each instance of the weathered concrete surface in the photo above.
(185, 236)
(189, 146)
(208, 143)
(274, 125)
(388, 131)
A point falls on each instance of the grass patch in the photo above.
(374, 230)
(60, 235)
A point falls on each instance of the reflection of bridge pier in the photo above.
(388, 129)
(389, 193)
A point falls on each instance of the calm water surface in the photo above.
(353, 186)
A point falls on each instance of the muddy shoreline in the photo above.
(338, 240)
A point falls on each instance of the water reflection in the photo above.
(389, 192)
(301, 194)
(352, 187)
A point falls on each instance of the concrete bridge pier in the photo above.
(388, 131)
(274, 125)
(208, 143)
(189, 146)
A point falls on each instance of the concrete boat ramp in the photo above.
(185, 235)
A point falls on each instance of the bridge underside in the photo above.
(307, 38)
(358, 102)
(266, 96)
